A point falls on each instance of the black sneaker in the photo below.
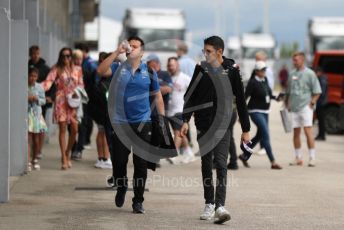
(120, 196)
(138, 208)
(232, 166)
(320, 138)
(76, 156)
(110, 182)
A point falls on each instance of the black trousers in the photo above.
(82, 131)
(220, 155)
(232, 147)
(88, 126)
(120, 158)
(320, 112)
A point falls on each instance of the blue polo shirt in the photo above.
(129, 94)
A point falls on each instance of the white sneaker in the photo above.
(208, 212)
(311, 162)
(261, 152)
(99, 164)
(29, 167)
(106, 164)
(36, 166)
(221, 215)
(88, 147)
(188, 159)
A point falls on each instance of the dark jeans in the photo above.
(220, 154)
(320, 112)
(120, 161)
(262, 135)
(88, 126)
(109, 134)
(232, 148)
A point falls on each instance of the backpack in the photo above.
(161, 128)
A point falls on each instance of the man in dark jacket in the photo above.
(209, 97)
(40, 64)
(321, 103)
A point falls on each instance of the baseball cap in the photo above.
(152, 57)
(260, 65)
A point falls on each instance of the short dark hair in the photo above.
(216, 42)
(32, 49)
(32, 69)
(102, 56)
(136, 38)
(82, 47)
(172, 58)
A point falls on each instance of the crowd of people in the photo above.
(78, 91)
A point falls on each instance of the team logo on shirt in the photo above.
(144, 74)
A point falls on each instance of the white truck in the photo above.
(234, 48)
(251, 43)
(325, 33)
(160, 29)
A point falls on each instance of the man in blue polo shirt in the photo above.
(129, 105)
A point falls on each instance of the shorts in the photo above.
(302, 118)
(101, 128)
(176, 121)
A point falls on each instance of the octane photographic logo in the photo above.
(130, 137)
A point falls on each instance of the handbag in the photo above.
(161, 132)
(286, 120)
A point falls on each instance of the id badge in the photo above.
(267, 99)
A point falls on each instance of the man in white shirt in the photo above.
(186, 64)
(175, 107)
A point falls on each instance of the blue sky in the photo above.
(288, 18)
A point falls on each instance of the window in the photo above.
(158, 39)
(332, 64)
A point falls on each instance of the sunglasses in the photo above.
(66, 56)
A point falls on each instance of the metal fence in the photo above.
(22, 23)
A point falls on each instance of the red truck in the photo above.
(332, 64)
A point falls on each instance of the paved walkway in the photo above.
(258, 198)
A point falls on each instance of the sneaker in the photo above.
(320, 138)
(311, 162)
(39, 156)
(296, 162)
(208, 212)
(260, 152)
(120, 196)
(36, 166)
(188, 159)
(88, 147)
(76, 156)
(29, 167)
(106, 164)
(232, 166)
(99, 164)
(110, 182)
(138, 208)
(221, 215)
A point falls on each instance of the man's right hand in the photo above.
(184, 130)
